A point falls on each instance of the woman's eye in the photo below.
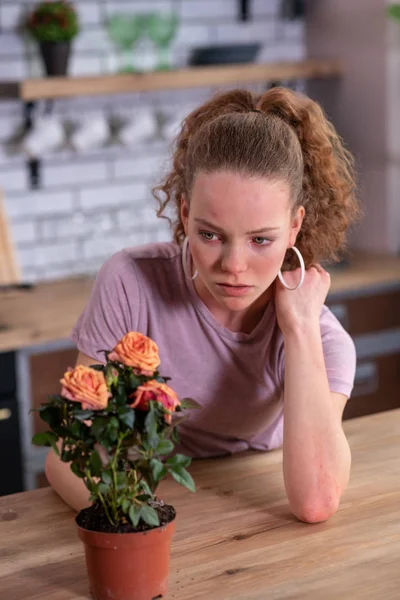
(261, 241)
(209, 237)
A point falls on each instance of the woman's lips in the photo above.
(234, 290)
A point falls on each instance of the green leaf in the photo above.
(52, 415)
(183, 478)
(106, 477)
(394, 11)
(126, 415)
(150, 424)
(144, 497)
(145, 487)
(121, 480)
(103, 489)
(46, 438)
(71, 454)
(77, 471)
(175, 436)
(179, 460)
(83, 415)
(189, 403)
(92, 486)
(97, 367)
(134, 381)
(149, 515)
(95, 464)
(78, 430)
(164, 447)
(158, 469)
(97, 428)
(113, 422)
(134, 514)
(125, 505)
(112, 429)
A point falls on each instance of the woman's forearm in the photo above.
(67, 485)
(316, 455)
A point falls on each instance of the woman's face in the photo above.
(239, 229)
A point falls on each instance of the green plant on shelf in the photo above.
(53, 22)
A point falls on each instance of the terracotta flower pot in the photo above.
(128, 566)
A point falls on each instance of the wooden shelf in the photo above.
(66, 87)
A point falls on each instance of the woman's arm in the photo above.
(67, 485)
(316, 454)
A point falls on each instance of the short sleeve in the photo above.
(107, 316)
(339, 354)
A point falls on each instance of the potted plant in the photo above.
(53, 25)
(117, 425)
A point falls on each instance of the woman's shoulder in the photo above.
(154, 254)
(155, 251)
(129, 260)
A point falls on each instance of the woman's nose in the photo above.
(234, 260)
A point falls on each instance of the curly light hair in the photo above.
(281, 135)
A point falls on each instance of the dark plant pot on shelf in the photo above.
(55, 56)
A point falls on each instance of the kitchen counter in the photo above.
(49, 311)
(45, 313)
(235, 537)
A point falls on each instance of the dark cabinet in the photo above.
(372, 318)
(11, 473)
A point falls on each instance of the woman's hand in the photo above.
(301, 308)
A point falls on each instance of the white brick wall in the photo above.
(92, 205)
(75, 173)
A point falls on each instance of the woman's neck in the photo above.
(237, 321)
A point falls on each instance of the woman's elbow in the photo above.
(49, 466)
(316, 510)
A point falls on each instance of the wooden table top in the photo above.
(48, 312)
(235, 537)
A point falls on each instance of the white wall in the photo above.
(393, 134)
(89, 207)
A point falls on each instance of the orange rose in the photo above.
(154, 390)
(87, 386)
(138, 351)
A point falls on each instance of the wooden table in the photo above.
(235, 538)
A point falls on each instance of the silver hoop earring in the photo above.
(302, 267)
(185, 260)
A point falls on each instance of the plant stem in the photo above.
(114, 476)
(104, 503)
(106, 510)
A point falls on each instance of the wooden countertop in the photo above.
(235, 537)
(45, 313)
(49, 311)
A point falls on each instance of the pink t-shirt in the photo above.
(236, 377)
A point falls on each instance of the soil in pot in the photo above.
(94, 518)
(124, 562)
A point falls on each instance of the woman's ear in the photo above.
(184, 214)
(297, 221)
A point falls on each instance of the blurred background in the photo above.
(91, 96)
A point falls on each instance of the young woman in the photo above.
(258, 185)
